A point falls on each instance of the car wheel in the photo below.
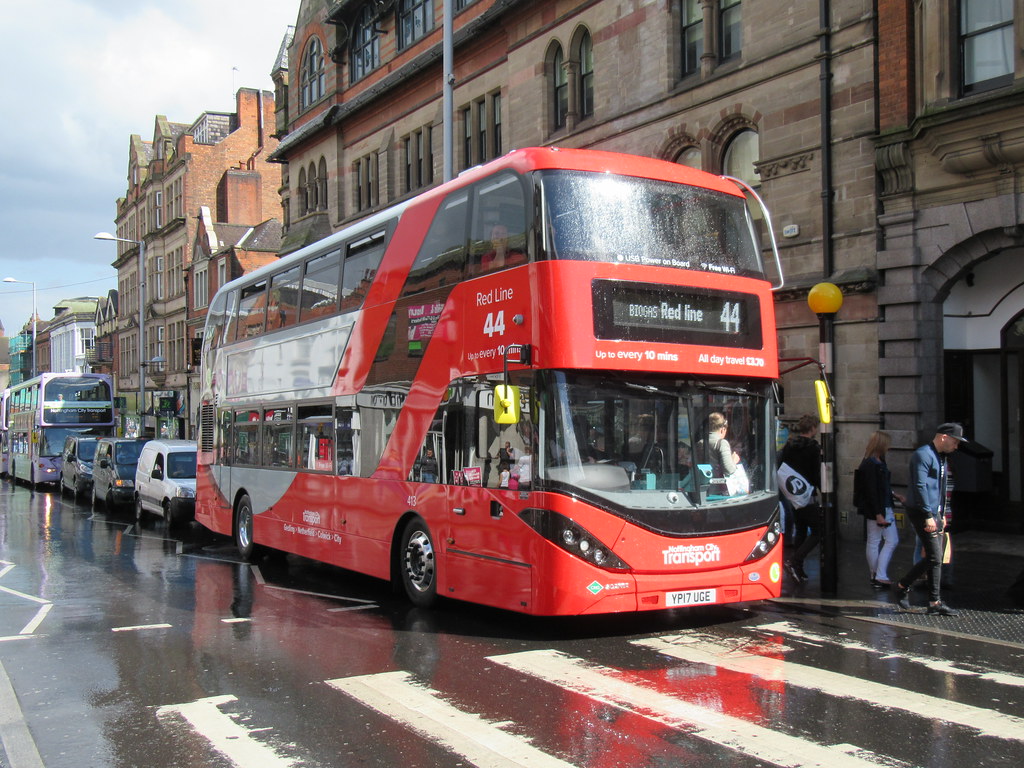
(418, 566)
(166, 506)
(139, 511)
(244, 528)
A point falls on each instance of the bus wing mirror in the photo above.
(506, 404)
(824, 400)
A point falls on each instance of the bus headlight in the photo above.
(572, 538)
(769, 540)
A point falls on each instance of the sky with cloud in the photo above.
(82, 76)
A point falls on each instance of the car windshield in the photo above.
(128, 453)
(181, 466)
(86, 450)
(672, 455)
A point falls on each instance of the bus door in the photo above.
(485, 482)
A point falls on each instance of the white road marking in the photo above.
(702, 649)
(932, 662)
(140, 627)
(33, 625)
(606, 685)
(22, 595)
(18, 744)
(484, 744)
(224, 734)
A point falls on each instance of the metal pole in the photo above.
(829, 522)
(35, 313)
(448, 93)
(142, 334)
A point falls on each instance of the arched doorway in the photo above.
(983, 387)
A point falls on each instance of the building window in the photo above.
(365, 48)
(200, 287)
(986, 44)
(729, 29)
(419, 159)
(312, 190)
(496, 116)
(741, 156)
(158, 209)
(321, 184)
(176, 273)
(586, 76)
(366, 194)
(560, 89)
(482, 148)
(312, 73)
(467, 138)
(415, 19)
(157, 281)
(693, 36)
(690, 157)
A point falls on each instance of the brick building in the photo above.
(220, 161)
(883, 136)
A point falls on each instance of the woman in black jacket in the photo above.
(873, 497)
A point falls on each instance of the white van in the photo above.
(165, 480)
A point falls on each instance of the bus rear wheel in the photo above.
(418, 566)
(243, 528)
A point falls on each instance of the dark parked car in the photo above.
(113, 471)
(76, 464)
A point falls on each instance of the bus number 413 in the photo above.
(495, 323)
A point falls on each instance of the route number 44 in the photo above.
(495, 323)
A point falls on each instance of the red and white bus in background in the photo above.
(43, 411)
(5, 458)
(500, 391)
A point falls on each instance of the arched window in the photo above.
(560, 89)
(364, 54)
(303, 196)
(740, 157)
(312, 78)
(312, 189)
(586, 76)
(690, 157)
(321, 179)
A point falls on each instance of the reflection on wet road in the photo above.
(129, 646)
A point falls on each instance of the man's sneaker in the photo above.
(900, 596)
(941, 609)
(797, 572)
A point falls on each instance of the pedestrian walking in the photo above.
(874, 499)
(800, 479)
(926, 498)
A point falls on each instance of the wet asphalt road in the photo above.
(133, 646)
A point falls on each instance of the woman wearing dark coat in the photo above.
(873, 497)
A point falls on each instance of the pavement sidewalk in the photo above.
(983, 567)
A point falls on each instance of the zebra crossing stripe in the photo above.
(225, 735)
(934, 663)
(398, 696)
(605, 685)
(739, 657)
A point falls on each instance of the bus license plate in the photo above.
(690, 597)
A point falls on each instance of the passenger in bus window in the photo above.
(428, 467)
(500, 255)
(719, 454)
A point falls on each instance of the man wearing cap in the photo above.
(926, 496)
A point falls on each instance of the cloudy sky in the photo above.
(81, 76)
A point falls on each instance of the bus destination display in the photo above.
(676, 314)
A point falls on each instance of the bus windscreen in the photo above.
(647, 222)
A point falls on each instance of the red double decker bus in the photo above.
(545, 386)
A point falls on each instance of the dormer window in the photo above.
(313, 75)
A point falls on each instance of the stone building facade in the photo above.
(950, 158)
(884, 174)
(220, 161)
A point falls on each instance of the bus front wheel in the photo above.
(418, 566)
(243, 528)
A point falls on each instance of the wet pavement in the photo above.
(976, 583)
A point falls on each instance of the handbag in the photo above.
(738, 484)
(794, 486)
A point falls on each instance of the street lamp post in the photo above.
(34, 313)
(825, 299)
(142, 316)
